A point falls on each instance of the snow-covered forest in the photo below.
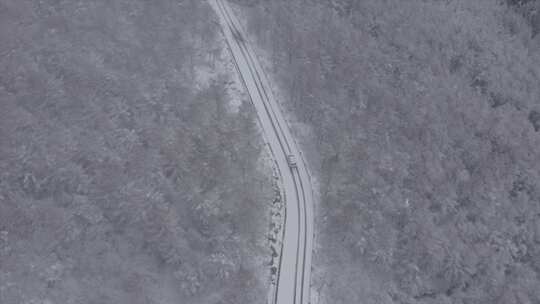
(128, 174)
(422, 120)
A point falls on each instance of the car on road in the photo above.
(291, 160)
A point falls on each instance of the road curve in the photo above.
(293, 280)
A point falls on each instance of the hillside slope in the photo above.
(423, 118)
(130, 170)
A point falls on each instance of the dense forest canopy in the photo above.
(126, 173)
(425, 134)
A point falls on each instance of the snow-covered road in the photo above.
(293, 283)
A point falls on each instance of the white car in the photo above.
(291, 160)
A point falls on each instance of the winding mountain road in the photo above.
(293, 278)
